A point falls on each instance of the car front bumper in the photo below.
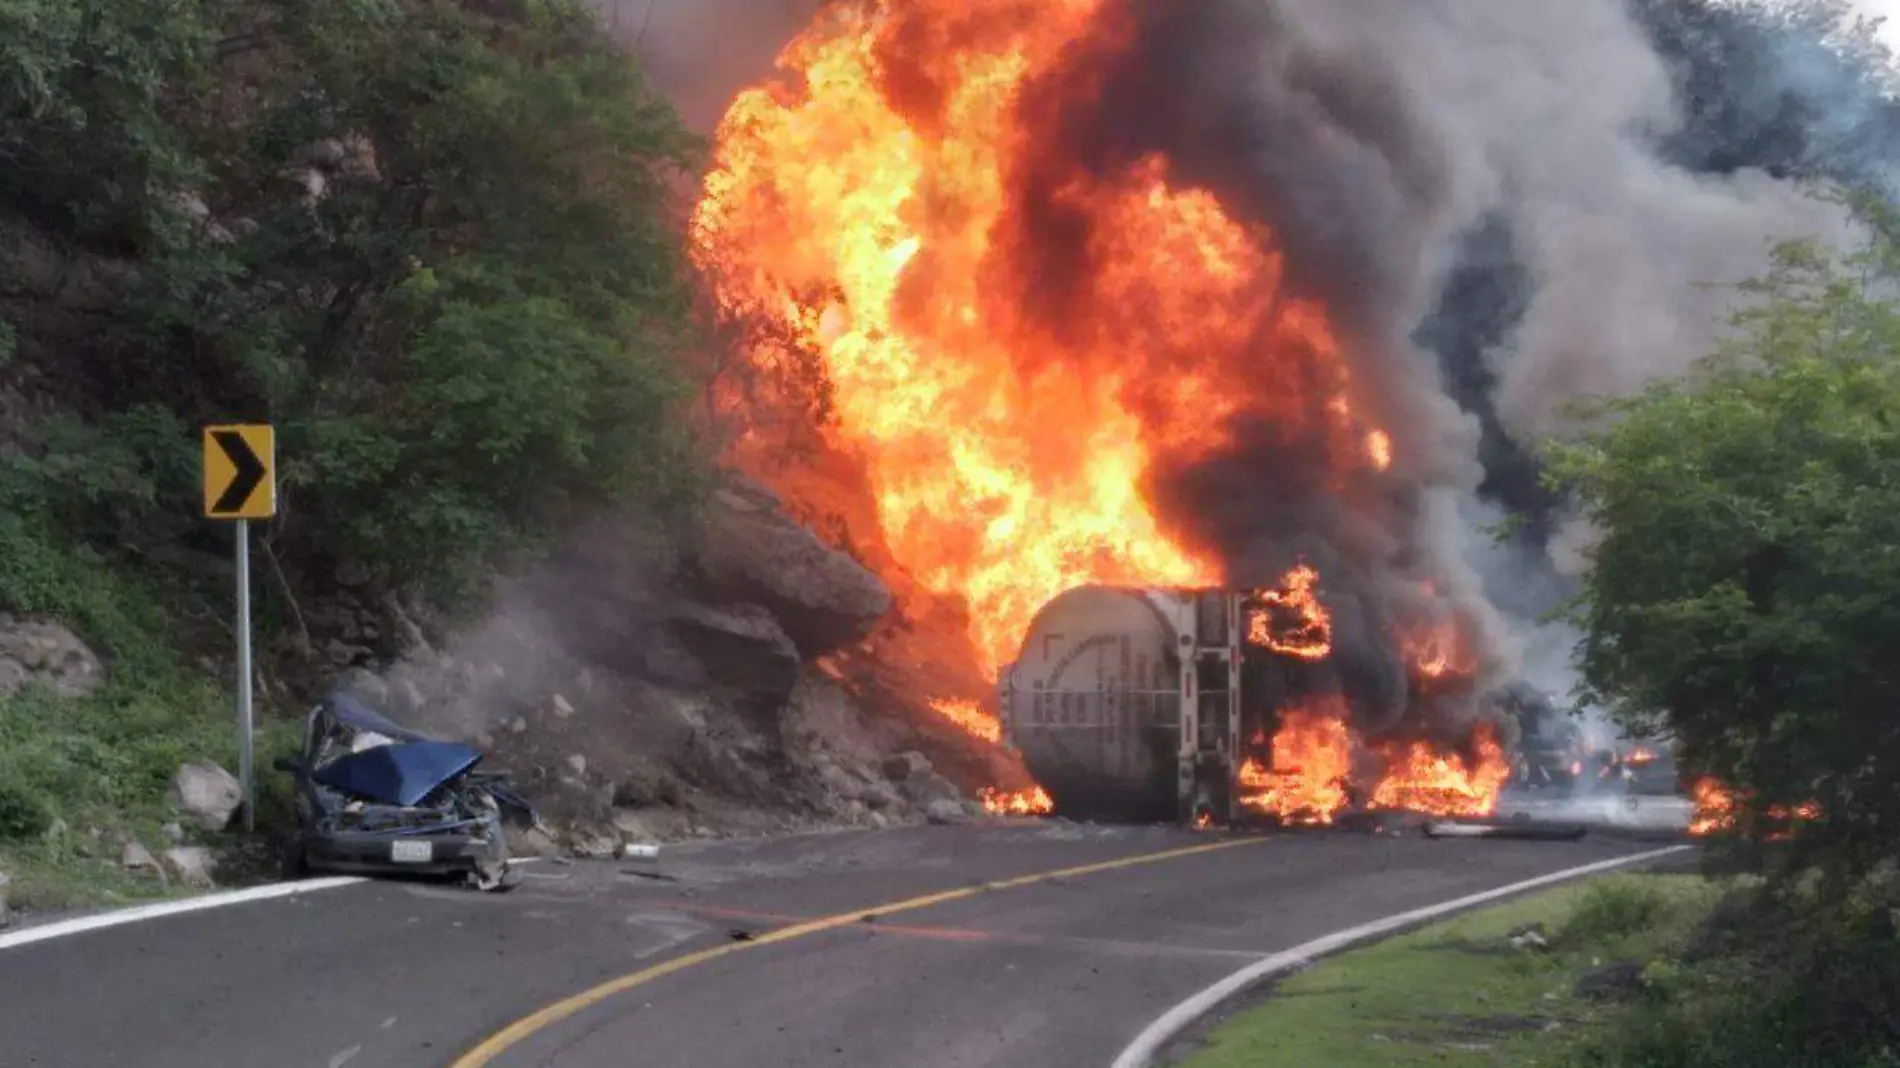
(357, 851)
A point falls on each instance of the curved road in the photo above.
(718, 965)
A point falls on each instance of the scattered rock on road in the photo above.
(37, 651)
(531, 842)
(926, 788)
(207, 794)
(594, 845)
(946, 812)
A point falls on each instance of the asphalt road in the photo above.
(1051, 974)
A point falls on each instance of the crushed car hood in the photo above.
(402, 773)
(358, 716)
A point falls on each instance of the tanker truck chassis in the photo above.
(1141, 704)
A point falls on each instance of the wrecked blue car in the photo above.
(376, 797)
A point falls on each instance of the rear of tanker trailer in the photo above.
(1126, 702)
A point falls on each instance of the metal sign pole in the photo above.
(246, 777)
(240, 469)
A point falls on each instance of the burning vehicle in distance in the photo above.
(374, 797)
(1646, 769)
(1552, 755)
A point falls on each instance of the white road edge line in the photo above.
(157, 910)
(1148, 1045)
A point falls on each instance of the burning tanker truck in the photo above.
(1204, 705)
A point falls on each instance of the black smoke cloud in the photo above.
(1505, 207)
(1334, 161)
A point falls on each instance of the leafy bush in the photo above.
(1743, 592)
(1742, 599)
(24, 814)
(1611, 909)
(1788, 976)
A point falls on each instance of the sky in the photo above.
(1888, 9)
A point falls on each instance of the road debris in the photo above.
(1521, 830)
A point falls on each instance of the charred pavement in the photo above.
(713, 969)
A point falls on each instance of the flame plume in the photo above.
(1024, 340)
(878, 207)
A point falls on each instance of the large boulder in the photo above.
(821, 717)
(743, 649)
(206, 794)
(38, 651)
(946, 812)
(752, 551)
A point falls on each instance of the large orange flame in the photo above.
(1418, 778)
(1306, 778)
(867, 208)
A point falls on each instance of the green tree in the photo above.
(1745, 593)
(430, 240)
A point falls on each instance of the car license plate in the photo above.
(411, 851)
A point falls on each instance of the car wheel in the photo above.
(294, 859)
(493, 873)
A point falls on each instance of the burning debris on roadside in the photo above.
(1719, 810)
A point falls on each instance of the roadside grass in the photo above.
(1459, 992)
(79, 777)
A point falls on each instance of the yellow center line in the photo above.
(515, 1033)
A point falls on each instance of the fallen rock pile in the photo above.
(641, 700)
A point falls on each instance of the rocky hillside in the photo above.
(643, 696)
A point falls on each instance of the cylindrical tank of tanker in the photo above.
(1093, 702)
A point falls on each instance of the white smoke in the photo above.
(702, 53)
(1548, 114)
